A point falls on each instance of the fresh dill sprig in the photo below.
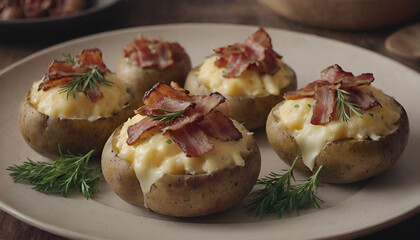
(69, 58)
(67, 173)
(83, 81)
(279, 196)
(168, 117)
(343, 105)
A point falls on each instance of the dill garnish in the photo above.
(67, 173)
(279, 196)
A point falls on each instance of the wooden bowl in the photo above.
(346, 14)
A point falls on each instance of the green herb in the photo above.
(68, 173)
(296, 105)
(83, 81)
(167, 118)
(69, 58)
(168, 141)
(309, 105)
(343, 105)
(279, 196)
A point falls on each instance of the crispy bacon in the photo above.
(192, 140)
(94, 93)
(256, 51)
(324, 92)
(60, 72)
(336, 75)
(136, 130)
(155, 53)
(202, 117)
(365, 100)
(201, 106)
(325, 102)
(307, 91)
(91, 57)
(217, 126)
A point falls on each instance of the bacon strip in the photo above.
(163, 96)
(94, 93)
(154, 53)
(325, 102)
(217, 126)
(307, 91)
(192, 140)
(91, 58)
(336, 75)
(202, 106)
(256, 51)
(202, 117)
(137, 130)
(366, 101)
(58, 73)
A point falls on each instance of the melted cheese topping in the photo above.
(295, 115)
(56, 104)
(159, 154)
(251, 83)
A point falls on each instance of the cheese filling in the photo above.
(159, 155)
(57, 105)
(295, 115)
(251, 83)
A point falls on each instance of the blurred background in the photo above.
(388, 27)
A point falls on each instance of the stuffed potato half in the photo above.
(44, 133)
(182, 195)
(352, 150)
(146, 62)
(197, 163)
(78, 121)
(345, 160)
(251, 110)
(251, 75)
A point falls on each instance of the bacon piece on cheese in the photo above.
(257, 51)
(155, 53)
(325, 102)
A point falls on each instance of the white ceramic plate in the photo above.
(348, 210)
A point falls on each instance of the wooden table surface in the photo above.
(130, 13)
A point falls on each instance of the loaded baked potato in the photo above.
(251, 75)
(196, 162)
(341, 122)
(67, 109)
(146, 62)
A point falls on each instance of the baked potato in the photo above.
(50, 119)
(250, 110)
(140, 74)
(156, 172)
(349, 150)
(251, 90)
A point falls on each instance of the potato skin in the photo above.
(43, 133)
(182, 195)
(251, 111)
(346, 160)
(140, 80)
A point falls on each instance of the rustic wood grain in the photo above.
(130, 13)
